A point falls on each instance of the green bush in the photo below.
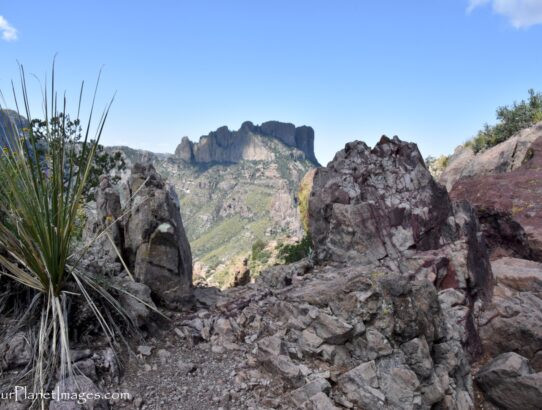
(102, 162)
(511, 119)
(259, 254)
(295, 252)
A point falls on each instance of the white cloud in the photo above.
(521, 13)
(9, 33)
(476, 3)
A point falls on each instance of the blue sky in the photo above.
(430, 71)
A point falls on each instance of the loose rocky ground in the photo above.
(177, 376)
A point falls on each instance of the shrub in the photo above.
(45, 170)
(102, 161)
(511, 119)
(259, 254)
(295, 252)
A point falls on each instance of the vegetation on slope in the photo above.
(511, 119)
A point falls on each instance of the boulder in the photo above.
(510, 383)
(372, 204)
(306, 392)
(381, 207)
(320, 401)
(15, 352)
(241, 275)
(281, 276)
(361, 386)
(519, 274)
(512, 322)
(155, 243)
(137, 300)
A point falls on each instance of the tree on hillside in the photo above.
(511, 119)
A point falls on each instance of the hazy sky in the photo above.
(430, 71)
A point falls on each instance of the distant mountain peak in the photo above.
(225, 145)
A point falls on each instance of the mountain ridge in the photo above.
(232, 146)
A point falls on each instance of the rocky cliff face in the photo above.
(228, 146)
(236, 187)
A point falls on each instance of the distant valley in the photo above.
(236, 188)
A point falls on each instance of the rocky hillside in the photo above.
(236, 187)
(383, 318)
(400, 306)
(504, 183)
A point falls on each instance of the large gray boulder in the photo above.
(513, 320)
(373, 204)
(381, 207)
(155, 243)
(509, 382)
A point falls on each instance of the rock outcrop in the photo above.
(339, 337)
(504, 185)
(504, 157)
(225, 146)
(147, 231)
(155, 243)
(503, 182)
(381, 207)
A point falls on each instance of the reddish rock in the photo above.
(504, 157)
(381, 207)
(518, 192)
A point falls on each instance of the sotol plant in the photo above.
(41, 193)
